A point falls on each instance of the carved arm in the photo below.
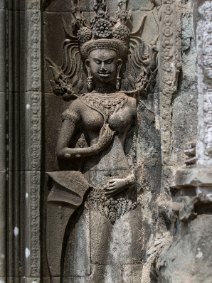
(118, 185)
(66, 134)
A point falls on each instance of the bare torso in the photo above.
(92, 121)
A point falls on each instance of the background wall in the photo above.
(30, 120)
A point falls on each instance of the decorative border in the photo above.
(34, 267)
(23, 170)
(34, 87)
(169, 66)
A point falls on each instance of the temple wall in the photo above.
(172, 145)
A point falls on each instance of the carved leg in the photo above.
(57, 220)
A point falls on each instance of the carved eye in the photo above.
(97, 61)
(109, 61)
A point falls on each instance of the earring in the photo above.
(90, 83)
(118, 83)
(118, 78)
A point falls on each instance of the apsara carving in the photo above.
(98, 52)
(142, 64)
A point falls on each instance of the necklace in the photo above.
(106, 103)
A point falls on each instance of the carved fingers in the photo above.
(115, 186)
(105, 137)
(66, 153)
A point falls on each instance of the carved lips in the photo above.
(104, 75)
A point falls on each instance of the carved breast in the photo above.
(120, 121)
(120, 114)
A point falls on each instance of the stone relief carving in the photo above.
(170, 65)
(68, 79)
(96, 190)
(103, 191)
(34, 147)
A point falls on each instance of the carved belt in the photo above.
(112, 208)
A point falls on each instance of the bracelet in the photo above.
(130, 179)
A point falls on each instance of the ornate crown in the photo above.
(103, 31)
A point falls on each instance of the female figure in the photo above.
(102, 242)
(106, 117)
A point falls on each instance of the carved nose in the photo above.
(102, 67)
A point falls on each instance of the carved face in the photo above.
(103, 65)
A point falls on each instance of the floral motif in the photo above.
(84, 34)
(122, 33)
(102, 28)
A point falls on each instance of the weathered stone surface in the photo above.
(170, 65)
(3, 131)
(184, 118)
(30, 198)
(189, 257)
(23, 5)
(106, 247)
(183, 260)
(2, 4)
(31, 131)
(143, 236)
(3, 206)
(25, 61)
(33, 42)
(195, 177)
(2, 224)
(23, 125)
(24, 279)
(204, 66)
(86, 5)
(16, 79)
(53, 109)
(78, 246)
(2, 51)
(52, 41)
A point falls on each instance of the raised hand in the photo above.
(117, 185)
(105, 137)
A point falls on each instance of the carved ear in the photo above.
(118, 77)
(120, 63)
(87, 66)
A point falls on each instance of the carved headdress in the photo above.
(102, 32)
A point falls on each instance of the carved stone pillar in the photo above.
(23, 126)
(2, 142)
